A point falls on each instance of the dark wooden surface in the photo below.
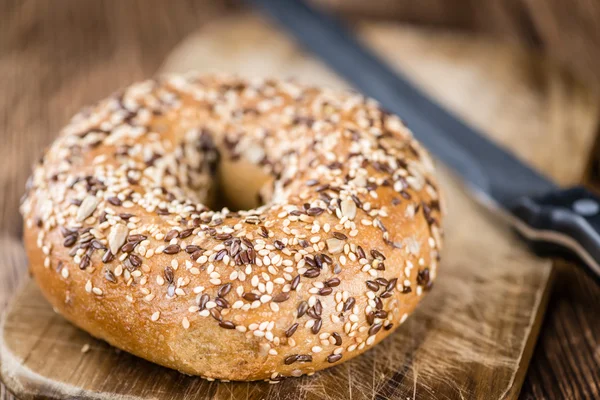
(57, 56)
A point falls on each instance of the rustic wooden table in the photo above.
(52, 62)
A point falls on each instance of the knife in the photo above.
(543, 213)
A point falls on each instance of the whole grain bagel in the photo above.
(335, 238)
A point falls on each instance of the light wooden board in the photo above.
(471, 338)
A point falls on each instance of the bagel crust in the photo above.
(127, 239)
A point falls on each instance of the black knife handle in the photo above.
(569, 219)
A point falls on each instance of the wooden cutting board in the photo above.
(472, 337)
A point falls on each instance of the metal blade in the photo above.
(494, 173)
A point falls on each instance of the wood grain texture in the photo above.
(54, 59)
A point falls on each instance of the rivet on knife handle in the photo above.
(569, 218)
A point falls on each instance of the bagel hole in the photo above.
(240, 185)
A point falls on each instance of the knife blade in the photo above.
(538, 208)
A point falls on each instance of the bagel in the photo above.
(234, 229)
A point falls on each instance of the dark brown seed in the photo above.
(388, 327)
(202, 302)
(372, 286)
(227, 324)
(382, 281)
(190, 249)
(196, 255)
(312, 273)
(326, 291)
(135, 260)
(281, 297)
(70, 240)
(224, 290)
(291, 359)
(85, 262)
(315, 211)
(110, 276)
(186, 233)
(171, 235)
(423, 277)
(129, 247)
(378, 303)
(221, 302)
(107, 257)
(115, 201)
(251, 296)
(317, 326)
(295, 282)
(327, 259)
(391, 285)
(385, 294)
(172, 249)
(279, 244)
(361, 252)
(291, 330)
(382, 314)
(377, 254)
(338, 338)
(334, 358)
(302, 308)
(264, 232)
(223, 236)
(380, 225)
(370, 318)
(349, 304)
(319, 261)
(318, 307)
(311, 313)
(304, 243)
(125, 216)
(219, 256)
(340, 236)
(169, 275)
(136, 238)
(406, 289)
(244, 257)
(216, 314)
(375, 328)
(333, 282)
(310, 261)
(304, 358)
